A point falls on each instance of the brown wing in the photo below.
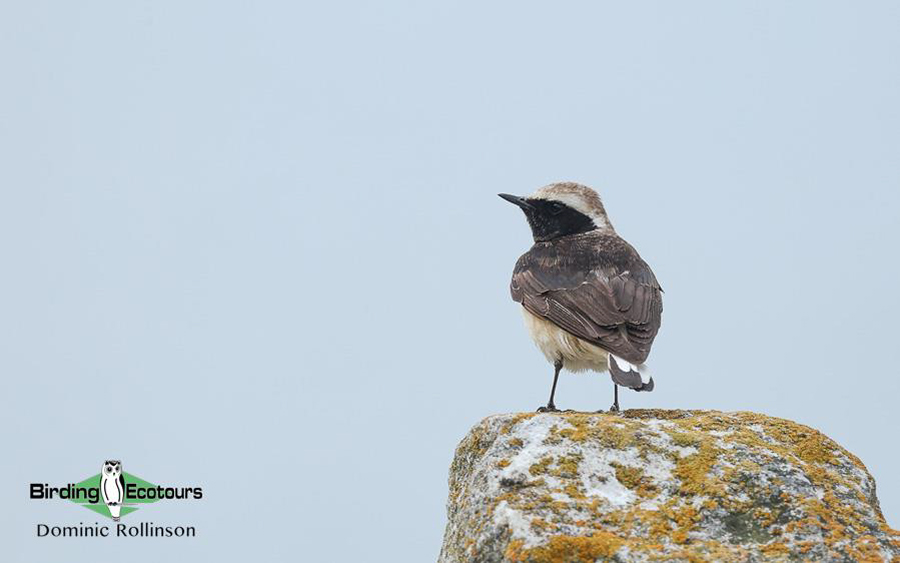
(594, 286)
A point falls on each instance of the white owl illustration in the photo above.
(112, 486)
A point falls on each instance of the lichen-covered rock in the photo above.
(659, 485)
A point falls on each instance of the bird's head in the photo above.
(562, 209)
(112, 468)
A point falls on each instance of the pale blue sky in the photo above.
(256, 247)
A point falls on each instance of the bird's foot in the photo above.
(614, 408)
(550, 407)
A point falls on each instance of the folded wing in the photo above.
(595, 287)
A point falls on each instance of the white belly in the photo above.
(555, 343)
(112, 490)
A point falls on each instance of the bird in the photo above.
(112, 485)
(589, 300)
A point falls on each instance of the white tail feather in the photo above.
(626, 366)
(644, 370)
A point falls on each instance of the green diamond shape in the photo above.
(102, 509)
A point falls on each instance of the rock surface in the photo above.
(651, 485)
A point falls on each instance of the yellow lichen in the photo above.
(815, 449)
(630, 477)
(541, 466)
(514, 551)
(684, 439)
(569, 549)
(712, 482)
(567, 466)
(573, 490)
(694, 472)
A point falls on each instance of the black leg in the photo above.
(550, 406)
(615, 406)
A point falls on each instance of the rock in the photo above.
(659, 485)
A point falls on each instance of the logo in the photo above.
(114, 494)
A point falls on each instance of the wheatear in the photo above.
(590, 302)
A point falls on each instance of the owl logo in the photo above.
(112, 487)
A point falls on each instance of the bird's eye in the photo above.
(556, 207)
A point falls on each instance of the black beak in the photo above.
(520, 201)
